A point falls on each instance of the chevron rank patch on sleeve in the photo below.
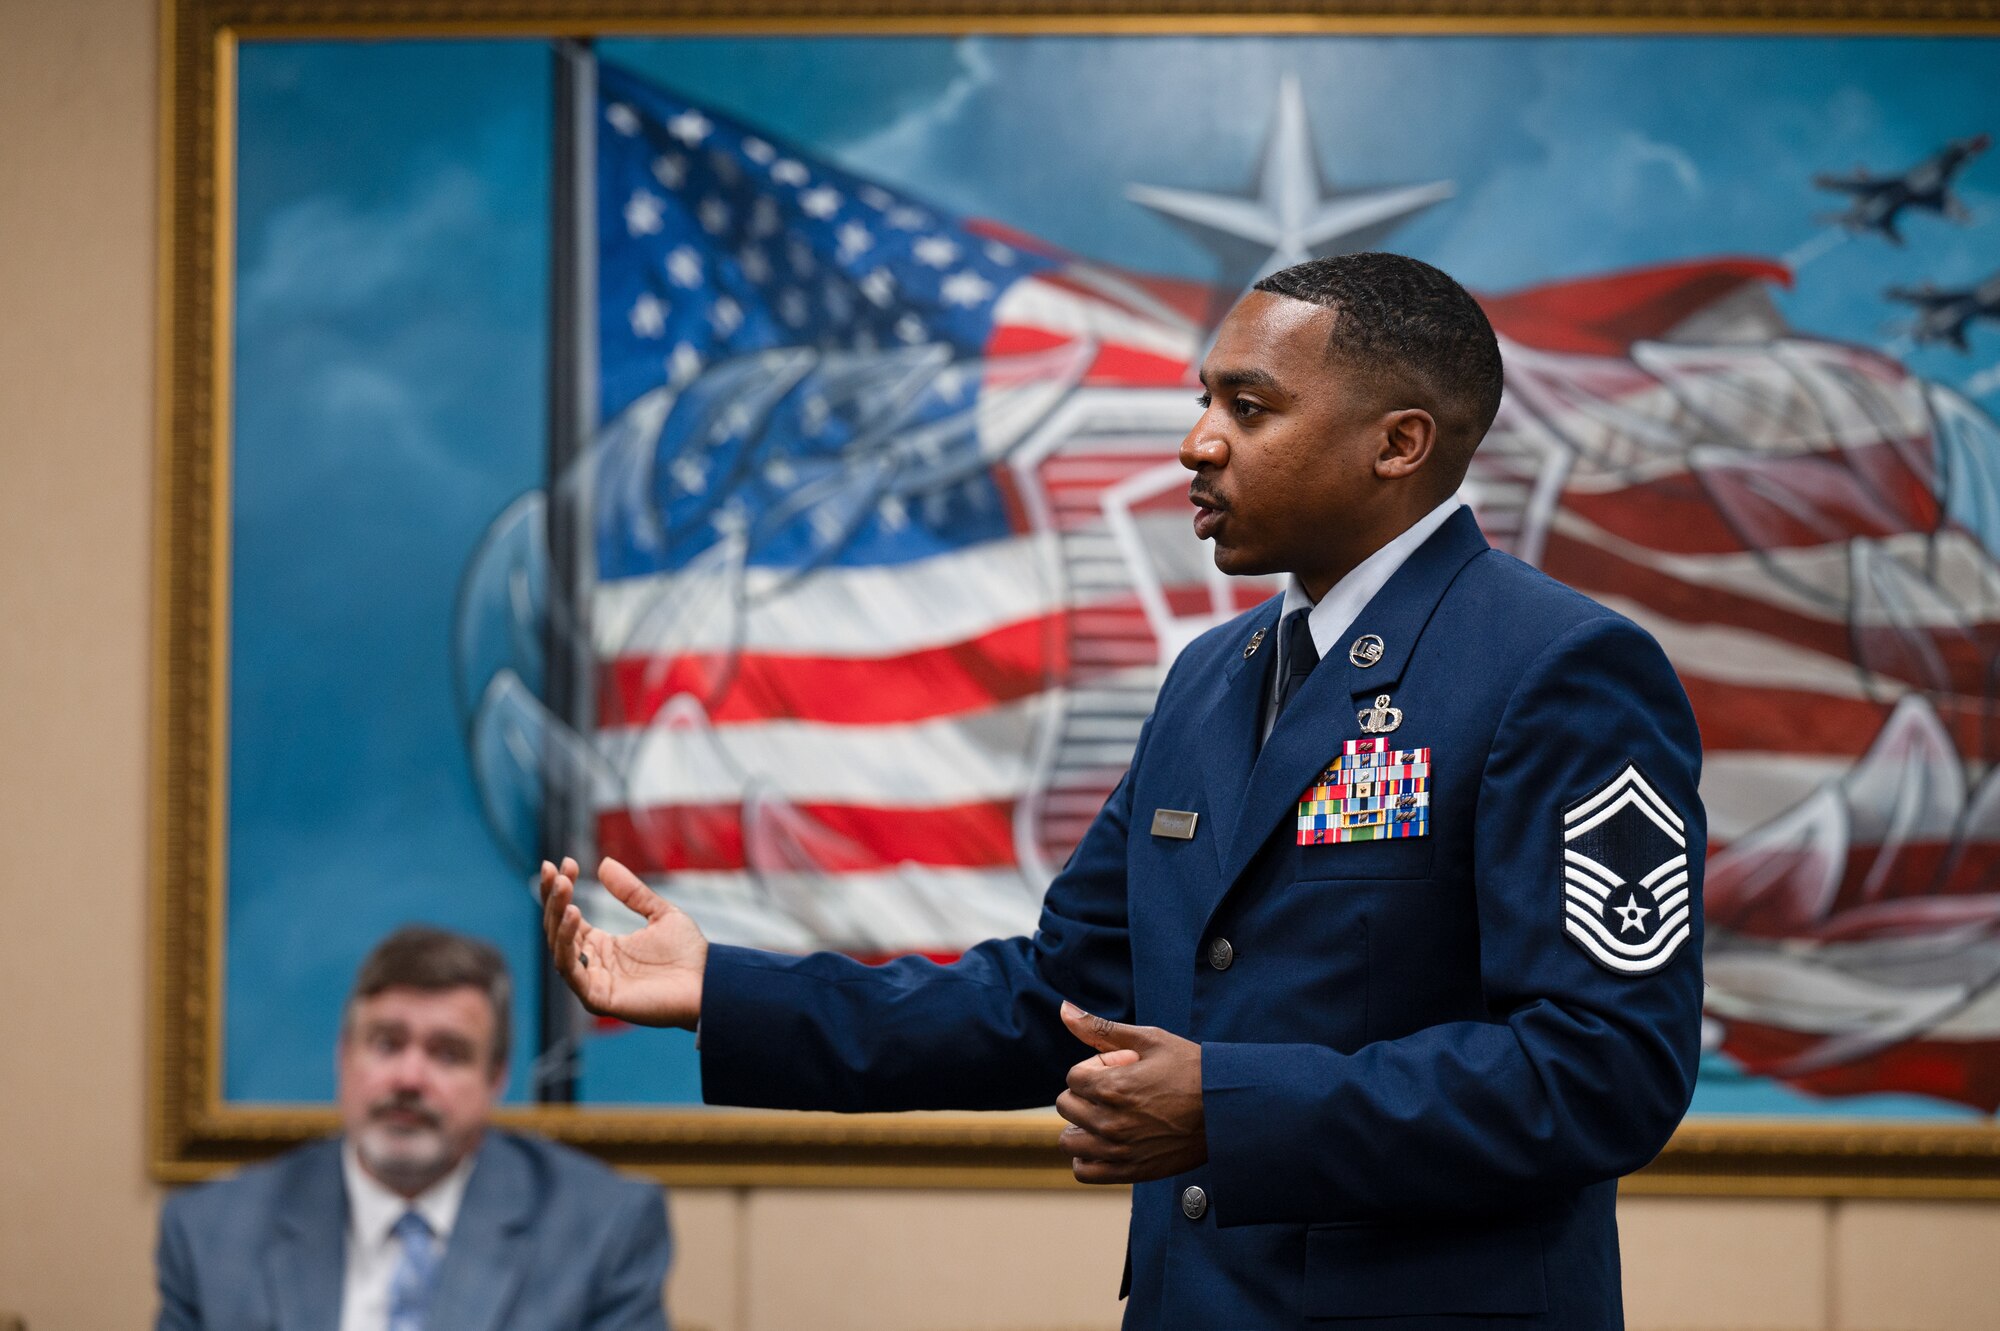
(1369, 793)
(1625, 876)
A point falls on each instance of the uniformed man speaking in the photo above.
(1388, 942)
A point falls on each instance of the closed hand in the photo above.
(1134, 1107)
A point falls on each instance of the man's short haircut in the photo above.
(1413, 328)
(420, 957)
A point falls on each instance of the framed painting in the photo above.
(742, 439)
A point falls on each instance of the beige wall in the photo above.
(76, 310)
(77, 142)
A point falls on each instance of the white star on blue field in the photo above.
(391, 348)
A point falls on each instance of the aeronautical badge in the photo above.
(1625, 876)
(1371, 792)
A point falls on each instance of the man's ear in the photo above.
(1408, 436)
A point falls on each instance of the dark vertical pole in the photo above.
(567, 823)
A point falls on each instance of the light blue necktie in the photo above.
(416, 1275)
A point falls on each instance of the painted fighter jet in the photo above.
(1879, 199)
(1944, 315)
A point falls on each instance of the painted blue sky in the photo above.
(1569, 156)
(391, 349)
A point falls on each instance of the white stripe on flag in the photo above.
(1743, 790)
(1826, 990)
(1031, 303)
(910, 908)
(884, 609)
(1739, 656)
(875, 610)
(969, 758)
(1818, 579)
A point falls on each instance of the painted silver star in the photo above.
(1291, 214)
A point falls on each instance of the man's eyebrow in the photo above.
(1245, 378)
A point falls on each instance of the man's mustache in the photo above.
(1207, 498)
(406, 1104)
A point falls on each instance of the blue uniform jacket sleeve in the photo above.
(1580, 1074)
(827, 1032)
(628, 1293)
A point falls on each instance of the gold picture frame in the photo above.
(195, 1133)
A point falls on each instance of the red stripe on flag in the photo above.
(1926, 885)
(1884, 650)
(1747, 717)
(1964, 1071)
(1592, 568)
(1770, 502)
(1129, 367)
(1011, 662)
(1603, 315)
(1114, 363)
(840, 837)
(1007, 664)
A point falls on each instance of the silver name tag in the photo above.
(1175, 823)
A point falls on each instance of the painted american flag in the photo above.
(889, 538)
(1804, 526)
(892, 552)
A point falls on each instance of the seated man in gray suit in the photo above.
(419, 1218)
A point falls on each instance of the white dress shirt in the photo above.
(373, 1251)
(1335, 612)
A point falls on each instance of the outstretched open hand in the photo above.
(1134, 1107)
(651, 977)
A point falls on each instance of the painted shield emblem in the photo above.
(1625, 876)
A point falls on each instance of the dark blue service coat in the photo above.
(1426, 1059)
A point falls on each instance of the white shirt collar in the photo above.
(373, 1208)
(1344, 601)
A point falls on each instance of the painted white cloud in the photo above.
(890, 150)
(1642, 152)
(378, 325)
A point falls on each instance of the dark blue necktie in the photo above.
(1300, 656)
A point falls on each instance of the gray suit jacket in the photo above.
(546, 1239)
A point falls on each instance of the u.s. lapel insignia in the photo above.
(1369, 793)
(1625, 876)
(1381, 718)
(1256, 641)
(1366, 650)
